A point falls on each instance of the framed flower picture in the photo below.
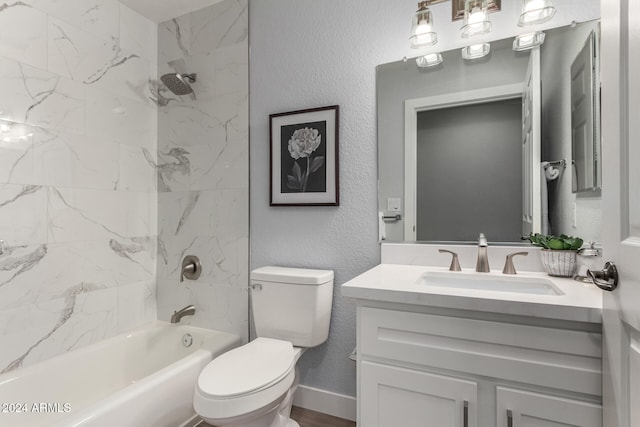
(304, 157)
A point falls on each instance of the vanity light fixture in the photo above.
(422, 34)
(476, 18)
(429, 60)
(476, 51)
(536, 12)
(528, 41)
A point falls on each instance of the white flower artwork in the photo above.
(301, 145)
(304, 157)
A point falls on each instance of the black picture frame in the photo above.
(304, 157)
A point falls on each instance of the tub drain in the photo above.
(187, 340)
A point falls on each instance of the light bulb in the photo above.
(476, 51)
(477, 16)
(422, 32)
(429, 60)
(536, 12)
(476, 20)
(533, 5)
(526, 38)
(528, 41)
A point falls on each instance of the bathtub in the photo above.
(144, 378)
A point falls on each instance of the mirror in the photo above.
(492, 145)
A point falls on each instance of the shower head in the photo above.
(179, 83)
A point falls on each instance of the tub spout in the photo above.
(189, 310)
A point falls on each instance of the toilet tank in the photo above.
(292, 304)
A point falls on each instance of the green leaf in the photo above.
(562, 242)
(575, 243)
(556, 244)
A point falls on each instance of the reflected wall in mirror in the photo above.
(585, 129)
(462, 147)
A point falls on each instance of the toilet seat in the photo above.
(245, 379)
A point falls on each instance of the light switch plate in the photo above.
(393, 204)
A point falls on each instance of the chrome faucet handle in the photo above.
(508, 265)
(455, 265)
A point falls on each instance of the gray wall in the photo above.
(304, 54)
(470, 172)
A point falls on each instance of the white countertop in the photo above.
(397, 283)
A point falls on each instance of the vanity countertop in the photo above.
(395, 283)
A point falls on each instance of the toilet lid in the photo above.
(246, 369)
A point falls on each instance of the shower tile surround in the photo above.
(203, 158)
(77, 194)
(106, 179)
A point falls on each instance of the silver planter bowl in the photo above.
(559, 263)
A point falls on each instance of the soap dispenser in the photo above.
(587, 260)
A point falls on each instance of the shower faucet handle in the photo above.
(191, 268)
(455, 264)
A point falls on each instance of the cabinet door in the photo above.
(517, 408)
(393, 396)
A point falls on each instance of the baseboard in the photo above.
(326, 402)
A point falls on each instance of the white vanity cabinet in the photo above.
(523, 408)
(426, 366)
(413, 398)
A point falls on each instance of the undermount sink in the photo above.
(490, 282)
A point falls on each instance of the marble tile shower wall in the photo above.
(78, 142)
(203, 160)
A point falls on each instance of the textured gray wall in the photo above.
(297, 63)
(470, 172)
(305, 54)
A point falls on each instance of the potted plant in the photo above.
(558, 253)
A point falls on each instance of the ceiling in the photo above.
(163, 10)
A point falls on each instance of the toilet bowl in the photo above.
(253, 385)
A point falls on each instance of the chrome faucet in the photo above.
(482, 264)
(189, 310)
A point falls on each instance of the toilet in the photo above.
(253, 385)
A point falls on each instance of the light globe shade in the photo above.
(476, 51)
(422, 32)
(476, 18)
(528, 41)
(536, 12)
(429, 60)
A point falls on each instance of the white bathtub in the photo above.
(145, 378)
